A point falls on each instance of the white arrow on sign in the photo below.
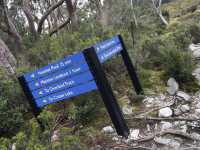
(33, 76)
(44, 101)
(40, 93)
(36, 84)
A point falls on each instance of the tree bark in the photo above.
(71, 8)
(28, 14)
(7, 60)
(7, 26)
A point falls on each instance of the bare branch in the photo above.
(30, 19)
(60, 27)
(7, 26)
(41, 22)
(157, 6)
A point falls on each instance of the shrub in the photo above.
(177, 64)
(11, 106)
(4, 144)
(85, 108)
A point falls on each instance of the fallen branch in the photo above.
(141, 147)
(191, 148)
(173, 132)
(156, 109)
(163, 119)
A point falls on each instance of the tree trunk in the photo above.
(7, 26)
(7, 60)
(163, 19)
(71, 8)
(28, 14)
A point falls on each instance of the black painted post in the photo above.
(106, 93)
(130, 68)
(36, 111)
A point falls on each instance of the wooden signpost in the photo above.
(78, 74)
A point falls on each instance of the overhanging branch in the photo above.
(41, 22)
(60, 27)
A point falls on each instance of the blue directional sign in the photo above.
(66, 94)
(69, 76)
(67, 61)
(101, 46)
(105, 55)
(60, 75)
(63, 84)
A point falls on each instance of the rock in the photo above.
(195, 135)
(195, 48)
(184, 128)
(165, 112)
(172, 86)
(167, 141)
(156, 127)
(166, 125)
(177, 112)
(162, 97)
(98, 147)
(134, 134)
(13, 146)
(185, 108)
(196, 74)
(197, 111)
(108, 129)
(197, 105)
(179, 123)
(183, 95)
(55, 136)
(127, 110)
(149, 100)
(115, 138)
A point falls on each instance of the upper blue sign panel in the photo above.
(66, 94)
(59, 75)
(106, 54)
(67, 61)
(101, 46)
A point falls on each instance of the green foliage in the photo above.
(11, 106)
(85, 108)
(195, 33)
(47, 118)
(4, 144)
(21, 140)
(177, 64)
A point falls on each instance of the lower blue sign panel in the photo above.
(63, 85)
(66, 94)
